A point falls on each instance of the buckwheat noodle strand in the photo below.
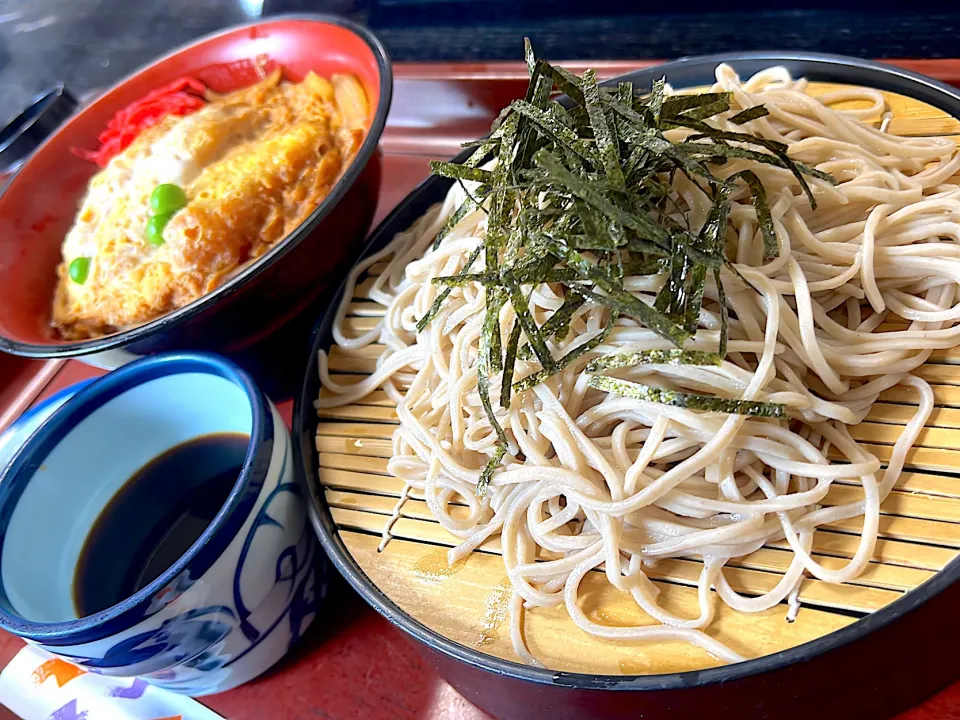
(596, 481)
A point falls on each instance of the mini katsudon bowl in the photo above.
(202, 203)
(151, 527)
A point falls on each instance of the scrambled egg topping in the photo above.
(254, 164)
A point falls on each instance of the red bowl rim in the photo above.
(261, 264)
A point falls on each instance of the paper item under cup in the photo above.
(39, 686)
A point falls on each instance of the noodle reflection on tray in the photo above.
(640, 327)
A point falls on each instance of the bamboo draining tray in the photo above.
(467, 603)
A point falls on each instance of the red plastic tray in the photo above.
(353, 663)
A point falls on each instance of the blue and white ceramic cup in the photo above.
(233, 604)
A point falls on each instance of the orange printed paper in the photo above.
(75, 693)
(61, 670)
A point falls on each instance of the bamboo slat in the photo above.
(770, 560)
(467, 602)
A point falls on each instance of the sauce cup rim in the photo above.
(201, 554)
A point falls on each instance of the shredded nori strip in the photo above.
(724, 313)
(550, 126)
(487, 142)
(590, 241)
(558, 326)
(496, 298)
(644, 266)
(682, 297)
(752, 113)
(639, 222)
(485, 368)
(778, 149)
(568, 83)
(496, 232)
(557, 275)
(559, 323)
(654, 357)
(460, 172)
(617, 298)
(716, 225)
(470, 195)
(678, 104)
(493, 463)
(509, 365)
(642, 124)
(691, 401)
(452, 281)
(650, 316)
(441, 298)
(606, 142)
(758, 196)
(708, 110)
(595, 236)
(581, 198)
(578, 352)
(718, 152)
(483, 150)
(538, 96)
(655, 101)
(529, 56)
(525, 319)
(467, 207)
(683, 160)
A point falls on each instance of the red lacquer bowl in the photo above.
(39, 205)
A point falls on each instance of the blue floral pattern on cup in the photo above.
(187, 651)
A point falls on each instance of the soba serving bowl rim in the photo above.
(256, 268)
(852, 71)
(212, 542)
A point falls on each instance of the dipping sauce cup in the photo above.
(236, 599)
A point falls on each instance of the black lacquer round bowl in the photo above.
(876, 667)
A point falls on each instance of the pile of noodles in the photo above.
(600, 481)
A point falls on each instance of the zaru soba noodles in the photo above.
(713, 419)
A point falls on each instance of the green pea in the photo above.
(166, 199)
(79, 269)
(155, 226)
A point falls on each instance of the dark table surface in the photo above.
(92, 43)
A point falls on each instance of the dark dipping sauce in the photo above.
(154, 518)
